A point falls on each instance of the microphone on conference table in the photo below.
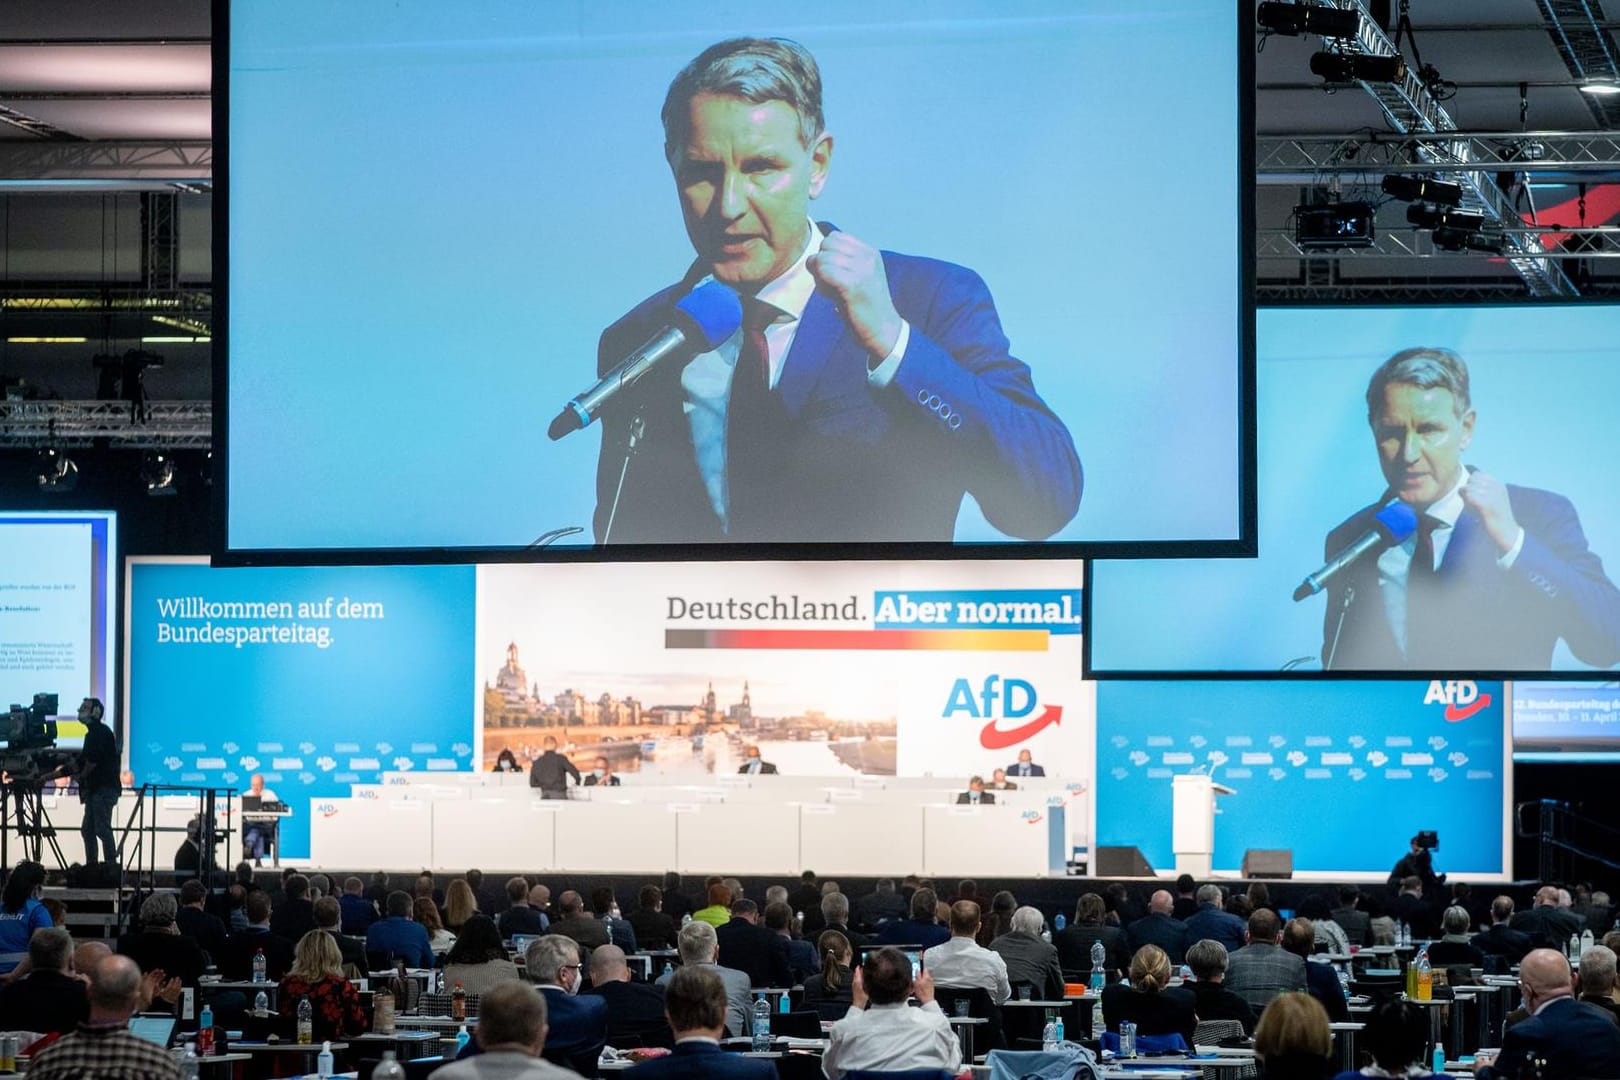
(698, 322)
(1393, 524)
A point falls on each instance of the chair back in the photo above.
(801, 1024)
(1148, 1044)
(1217, 1032)
(990, 1036)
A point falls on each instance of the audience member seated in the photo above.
(1330, 936)
(1501, 939)
(1158, 928)
(478, 961)
(830, 993)
(377, 892)
(1321, 979)
(654, 929)
(1396, 1036)
(881, 1031)
(188, 856)
(1212, 921)
(1146, 1002)
(1261, 969)
(1595, 982)
(1354, 921)
(295, 915)
(519, 917)
(459, 905)
(317, 974)
(512, 1033)
(676, 903)
(208, 931)
(700, 948)
(1410, 907)
(358, 912)
(237, 962)
(50, 998)
(577, 1025)
(619, 931)
(752, 949)
(998, 920)
(1211, 1000)
(103, 1046)
(635, 1010)
(962, 963)
(835, 916)
(1090, 925)
(329, 919)
(1028, 958)
(395, 935)
(1186, 905)
(718, 910)
(1455, 947)
(1545, 923)
(1293, 1040)
(426, 914)
(803, 961)
(576, 924)
(159, 946)
(921, 929)
(1562, 1038)
(881, 905)
(21, 912)
(695, 1004)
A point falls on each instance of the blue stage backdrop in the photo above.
(1342, 773)
(317, 678)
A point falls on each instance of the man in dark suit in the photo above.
(1321, 980)
(1214, 922)
(1501, 939)
(329, 917)
(1157, 927)
(49, 998)
(577, 1026)
(519, 917)
(1546, 924)
(654, 929)
(975, 795)
(922, 928)
(749, 947)
(1028, 958)
(551, 770)
(1493, 576)
(635, 1010)
(237, 963)
(358, 912)
(1211, 999)
(602, 775)
(1025, 766)
(584, 929)
(1569, 1038)
(695, 1006)
(1357, 924)
(1410, 907)
(192, 921)
(806, 895)
(511, 1033)
(1261, 970)
(294, 916)
(619, 930)
(866, 393)
(753, 764)
(881, 905)
(1596, 979)
(157, 945)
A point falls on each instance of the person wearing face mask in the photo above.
(754, 764)
(577, 1025)
(602, 775)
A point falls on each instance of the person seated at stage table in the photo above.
(753, 764)
(459, 905)
(575, 923)
(1074, 942)
(828, 992)
(578, 1024)
(718, 910)
(654, 929)
(159, 945)
(975, 795)
(922, 929)
(1561, 1038)
(803, 960)
(1147, 1002)
(426, 914)
(1213, 922)
(1456, 947)
(358, 912)
(1157, 927)
(1261, 970)
(317, 974)
(619, 931)
(1293, 1039)
(602, 774)
(506, 761)
(750, 948)
(999, 781)
(519, 917)
(395, 934)
(1396, 1036)
(962, 963)
(1501, 939)
(1211, 1000)
(699, 947)
(259, 837)
(1028, 958)
(1025, 766)
(511, 1036)
(1595, 982)
(1321, 979)
(881, 1032)
(478, 960)
(635, 1010)
(695, 1006)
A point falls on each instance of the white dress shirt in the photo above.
(888, 1037)
(962, 963)
(706, 379)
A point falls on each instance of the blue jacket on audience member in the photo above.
(402, 937)
(699, 1059)
(1216, 925)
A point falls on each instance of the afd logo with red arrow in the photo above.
(998, 700)
(1461, 697)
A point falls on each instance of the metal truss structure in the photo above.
(110, 161)
(1289, 159)
(166, 424)
(1591, 243)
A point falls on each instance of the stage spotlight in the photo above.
(1595, 87)
(1427, 216)
(1323, 226)
(157, 470)
(1292, 20)
(1451, 238)
(1422, 188)
(1337, 68)
(57, 472)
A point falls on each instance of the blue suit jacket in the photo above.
(1574, 1038)
(699, 1060)
(576, 1027)
(1217, 925)
(854, 462)
(1484, 618)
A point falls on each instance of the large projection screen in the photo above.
(1539, 443)
(429, 214)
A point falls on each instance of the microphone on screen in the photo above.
(697, 323)
(1393, 524)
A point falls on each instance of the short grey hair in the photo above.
(1456, 920)
(835, 908)
(776, 894)
(548, 955)
(1028, 920)
(159, 909)
(697, 943)
(1597, 971)
(1426, 368)
(320, 885)
(1206, 958)
(1209, 894)
(756, 70)
(50, 948)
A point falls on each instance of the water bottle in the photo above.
(1098, 1023)
(607, 922)
(1425, 976)
(462, 1039)
(188, 1063)
(1058, 1025)
(1344, 983)
(306, 1022)
(1099, 957)
(1060, 922)
(762, 1024)
(1127, 1039)
(259, 966)
(1574, 947)
(1046, 935)
(1049, 1039)
(205, 1031)
(261, 1003)
(686, 920)
(1587, 941)
(783, 1005)
(388, 1068)
(669, 970)
(1439, 1066)
(323, 1060)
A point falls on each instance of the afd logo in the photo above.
(999, 699)
(326, 809)
(1032, 817)
(1461, 697)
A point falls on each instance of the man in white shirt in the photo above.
(881, 1032)
(962, 963)
(512, 1032)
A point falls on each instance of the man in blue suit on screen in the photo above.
(865, 393)
(1492, 576)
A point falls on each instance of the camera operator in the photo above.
(99, 785)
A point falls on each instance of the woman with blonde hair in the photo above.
(1293, 1040)
(317, 974)
(426, 912)
(1145, 1003)
(459, 905)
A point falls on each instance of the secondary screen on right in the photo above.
(1566, 721)
(1470, 456)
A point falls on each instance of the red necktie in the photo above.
(754, 426)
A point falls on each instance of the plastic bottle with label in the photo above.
(205, 1031)
(1425, 976)
(260, 966)
(323, 1061)
(1049, 1034)
(762, 1024)
(306, 1022)
(1099, 957)
(388, 1068)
